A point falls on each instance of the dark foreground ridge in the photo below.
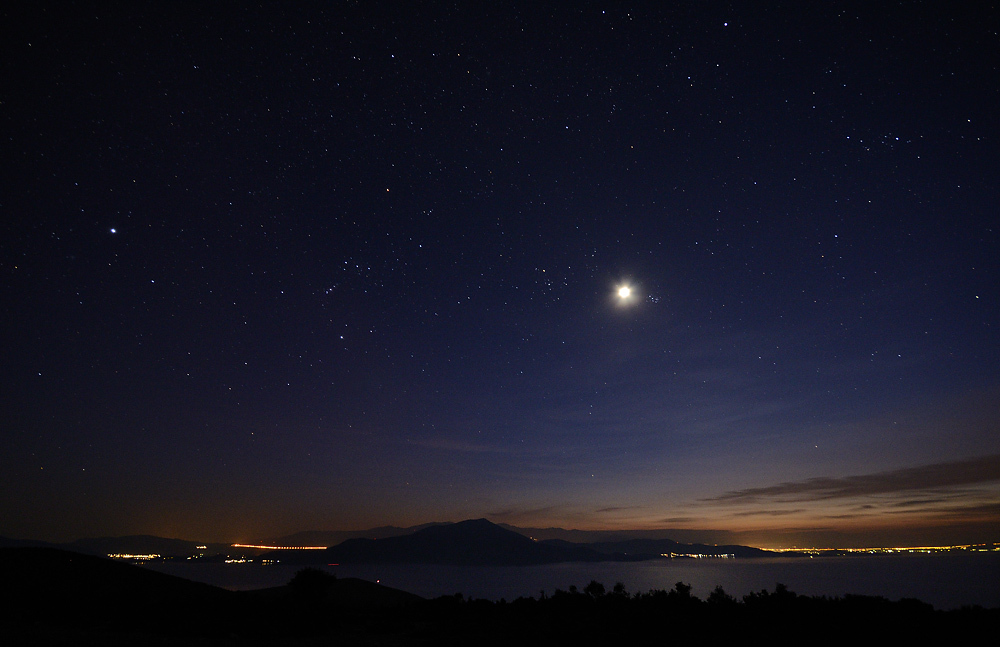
(58, 597)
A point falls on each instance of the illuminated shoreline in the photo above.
(974, 548)
(279, 547)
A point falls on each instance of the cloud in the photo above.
(769, 513)
(618, 508)
(909, 503)
(924, 477)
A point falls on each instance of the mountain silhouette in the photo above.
(473, 542)
(142, 544)
(334, 537)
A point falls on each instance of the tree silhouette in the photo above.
(681, 591)
(595, 589)
(720, 597)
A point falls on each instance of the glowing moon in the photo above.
(624, 291)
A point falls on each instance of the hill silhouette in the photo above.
(55, 590)
(472, 542)
(412, 545)
(134, 544)
(55, 596)
(334, 537)
(482, 543)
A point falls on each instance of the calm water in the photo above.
(945, 580)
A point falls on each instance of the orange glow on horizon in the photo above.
(280, 547)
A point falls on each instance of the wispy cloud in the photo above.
(515, 513)
(618, 508)
(921, 478)
(909, 503)
(767, 513)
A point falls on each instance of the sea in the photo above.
(945, 580)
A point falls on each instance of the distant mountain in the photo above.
(473, 542)
(7, 542)
(468, 542)
(635, 544)
(480, 542)
(653, 548)
(334, 537)
(132, 544)
(143, 545)
(682, 535)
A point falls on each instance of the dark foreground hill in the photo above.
(49, 596)
(56, 597)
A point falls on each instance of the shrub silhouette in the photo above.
(720, 597)
(312, 583)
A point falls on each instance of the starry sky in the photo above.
(269, 267)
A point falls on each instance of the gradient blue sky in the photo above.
(273, 268)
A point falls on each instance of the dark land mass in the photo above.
(142, 544)
(600, 536)
(132, 544)
(334, 537)
(654, 548)
(52, 596)
(59, 597)
(7, 542)
(476, 542)
(482, 543)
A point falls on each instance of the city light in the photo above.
(279, 547)
(141, 558)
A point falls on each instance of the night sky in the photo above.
(278, 267)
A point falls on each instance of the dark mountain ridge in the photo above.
(334, 537)
(472, 542)
(131, 544)
(142, 544)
